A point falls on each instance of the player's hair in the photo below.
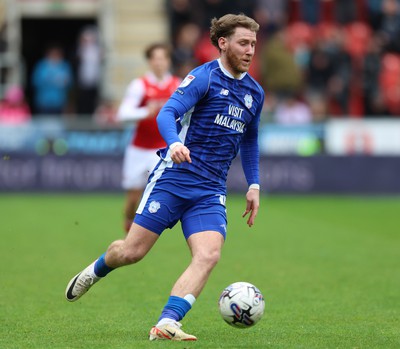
(226, 25)
(158, 45)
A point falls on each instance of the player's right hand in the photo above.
(180, 153)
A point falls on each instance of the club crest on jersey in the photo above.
(154, 206)
(187, 81)
(248, 101)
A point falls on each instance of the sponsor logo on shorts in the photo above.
(154, 206)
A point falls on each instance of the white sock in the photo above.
(190, 298)
(165, 320)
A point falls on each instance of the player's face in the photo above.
(237, 51)
(159, 62)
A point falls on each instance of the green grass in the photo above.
(329, 269)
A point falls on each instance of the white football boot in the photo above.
(170, 331)
(81, 283)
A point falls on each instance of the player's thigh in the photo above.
(207, 214)
(206, 246)
(140, 240)
(161, 206)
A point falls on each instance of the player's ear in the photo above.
(222, 43)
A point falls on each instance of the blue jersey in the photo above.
(214, 115)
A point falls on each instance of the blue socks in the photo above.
(101, 269)
(176, 308)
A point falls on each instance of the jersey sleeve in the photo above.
(130, 109)
(189, 92)
(249, 149)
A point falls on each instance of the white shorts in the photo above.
(137, 166)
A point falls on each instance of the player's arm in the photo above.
(189, 92)
(130, 109)
(250, 155)
(167, 121)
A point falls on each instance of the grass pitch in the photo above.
(329, 269)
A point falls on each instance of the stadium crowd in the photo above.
(316, 58)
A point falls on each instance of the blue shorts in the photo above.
(177, 194)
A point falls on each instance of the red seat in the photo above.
(390, 82)
(298, 33)
(326, 30)
(357, 36)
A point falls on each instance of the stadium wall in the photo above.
(339, 157)
(279, 174)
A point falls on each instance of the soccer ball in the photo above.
(241, 305)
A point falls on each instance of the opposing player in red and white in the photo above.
(143, 100)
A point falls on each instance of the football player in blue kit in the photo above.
(214, 114)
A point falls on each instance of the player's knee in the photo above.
(126, 254)
(209, 258)
(131, 257)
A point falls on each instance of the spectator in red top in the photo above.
(13, 109)
(143, 100)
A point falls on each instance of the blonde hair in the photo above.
(226, 25)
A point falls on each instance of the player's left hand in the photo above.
(253, 203)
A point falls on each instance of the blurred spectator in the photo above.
(390, 25)
(341, 80)
(205, 51)
(310, 11)
(214, 8)
(291, 111)
(243, 6)
(181, 12)
(51, 80)
(322, 50)
(345, 11)
(271, 15)
(184, 50)
(299, 37)
(279, 71)
(374, 10)
(3, 49)
(320, 69)
(13, 108)
(105, 113)
(88, 60)
(371, 70)
(318, 107)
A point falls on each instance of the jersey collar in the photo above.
(227, 73)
